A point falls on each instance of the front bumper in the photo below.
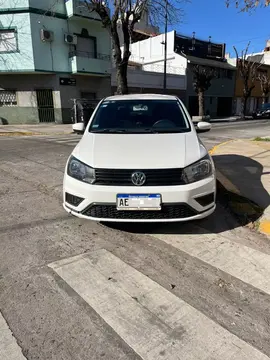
(178, 202)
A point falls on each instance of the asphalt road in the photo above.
(73, 289)
(242, 130)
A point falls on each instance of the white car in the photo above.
(140, 160)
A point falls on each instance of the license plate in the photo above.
(138, 202)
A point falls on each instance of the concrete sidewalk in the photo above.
(243, 168)
(35, 129)
(231, 119)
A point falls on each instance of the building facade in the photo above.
(256, 98)
(149, 79)
(219, 97)
(146, 67)
(182, 54)
(50, 53)
(262, 63)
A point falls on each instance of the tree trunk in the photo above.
(120, 63)
(201, 103)
(263, 98)
(242, 111)
(245, 106)
(121, 79)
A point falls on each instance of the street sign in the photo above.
(67, 81)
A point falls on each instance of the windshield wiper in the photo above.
(109, 131)
(137, 131)
(165, 131)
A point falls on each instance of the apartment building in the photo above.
(50, 53)
(182, 53)
(262, 61)
(256, 98)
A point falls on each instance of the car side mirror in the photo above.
(203, 126)
(78, 128)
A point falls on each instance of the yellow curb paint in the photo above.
(216, 147)
(264, 227)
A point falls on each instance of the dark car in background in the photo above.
(263, 112)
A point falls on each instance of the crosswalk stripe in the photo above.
(60, 139)
(240, 261)
(9, 349)
(68, 140)
(155, 323)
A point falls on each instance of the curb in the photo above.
(246, 211)
(214, 148)
(264, 226)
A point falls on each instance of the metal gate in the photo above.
(45, 105)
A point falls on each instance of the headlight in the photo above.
(199, 170)
(80, 171)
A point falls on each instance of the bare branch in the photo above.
(248, 72)
(202, 77)
(264, 80)
(247, 5)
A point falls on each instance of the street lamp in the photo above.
(165, 48)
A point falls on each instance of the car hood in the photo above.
(139, 151)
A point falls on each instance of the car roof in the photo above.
(142, 97)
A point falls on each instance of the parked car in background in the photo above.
(140, 160)
(263, 112)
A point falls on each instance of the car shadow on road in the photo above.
(232, 211)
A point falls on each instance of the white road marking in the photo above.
(240, 261)
(9, 349)
(151, 320)
(61, 139)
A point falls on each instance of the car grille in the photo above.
(154, 177)
(173, 211)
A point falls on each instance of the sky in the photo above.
(225, 25)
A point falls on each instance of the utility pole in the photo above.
(165, 48)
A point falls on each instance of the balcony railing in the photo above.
(89, 55)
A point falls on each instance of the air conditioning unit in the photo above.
(71, 39)
(46, 35)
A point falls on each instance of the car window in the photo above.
(133, 116)
(265, 107)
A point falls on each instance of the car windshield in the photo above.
(140, 116)
(265, 107)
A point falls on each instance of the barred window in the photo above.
(8, 40)
(8, 98)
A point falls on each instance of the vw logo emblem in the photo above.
(138, 178)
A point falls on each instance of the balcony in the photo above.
(80, 9)
(90, 63)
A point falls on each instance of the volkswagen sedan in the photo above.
(140, 160)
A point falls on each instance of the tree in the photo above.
(128, 13)
(247, 5)
(202, 77)
(265, 85)
(248, 72)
